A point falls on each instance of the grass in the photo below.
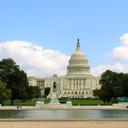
(27, 102)
(32, 102)
(80, 101)
(86, 102)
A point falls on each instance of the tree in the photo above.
(15, 79)
(34, 92)
(96, 93)
(4, 92)
(124, 85)
(113, 85)
(46, 91)
(107, 90)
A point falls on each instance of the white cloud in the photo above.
(120, 53)
(117, 67)
(37, 61)
(124, 40)
(118, 58)
(34, 59)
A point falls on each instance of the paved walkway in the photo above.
(65, 124)
(59, 107)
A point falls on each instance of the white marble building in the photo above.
(77, 83)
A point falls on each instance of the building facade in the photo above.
(77, 83)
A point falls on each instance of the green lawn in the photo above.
(32, 102)
(80, 101)
(86, 102)
(21, 102)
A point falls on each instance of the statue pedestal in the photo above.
(69, 104)
(54, 100)
(39, 104)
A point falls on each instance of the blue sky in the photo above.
(56, 25)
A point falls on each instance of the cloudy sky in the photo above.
(41, 35)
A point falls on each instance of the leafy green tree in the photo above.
(34, 92)
(96, 93)
(46, 92)
(123, 88)
(15, 79)
(107, 90)
(4, 92)
(113, 85)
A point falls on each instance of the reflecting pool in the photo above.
(63, 114)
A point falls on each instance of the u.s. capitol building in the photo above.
(77, 83)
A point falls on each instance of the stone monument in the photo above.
(69, 102)
(39, 103)
(54, 97)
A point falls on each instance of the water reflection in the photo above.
(63, 114)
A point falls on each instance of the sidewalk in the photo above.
(65, 124)
(60, 107)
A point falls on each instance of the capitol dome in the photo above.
(78, 63)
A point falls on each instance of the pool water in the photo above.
(63, 114)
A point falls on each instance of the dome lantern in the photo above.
(78, 45)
